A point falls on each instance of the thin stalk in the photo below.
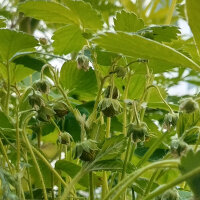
(104, 185)
(26, 141)
(173, 183)
(133, 147)
(126, 158)
(152, 149)
(154, 86)
(123, 184)
(91, 186)
(8, 89)
(52, 185)
(171, 11)
(5, 155)
(125, 105)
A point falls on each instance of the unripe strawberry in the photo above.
(121, 72)
(60, 109)
(189, 105)
(179, 148)
(83, 62)
(170, 120)
(86, 150)
(138, 132)
(65, 138)
(115, 91)
(35, 100)
(45, 113)
(42, 86)
(171, 194)
(109, 107)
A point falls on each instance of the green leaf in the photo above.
(50, 12)
(72, 169)
(127, 22)
(4, 121)
(82, 84)
(140, 47)
(189, 163)
(193, 7)
(13, 42)
(112, 148)
(29, 62)
(162, 33)
(2, 22)
(68, 39)
(74, 12)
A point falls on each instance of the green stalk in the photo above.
(125, 105)
(173, 183)
(126, 158)
(8, 89)
(127, 181)
(91, 186)
(171, 11)
(152, 149)
(26, 141)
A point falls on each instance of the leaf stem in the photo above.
(91, 186)
(171, 11)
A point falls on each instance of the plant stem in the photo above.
(152, 149)
(123, 184)
(179, 180)
(8, 89)
(171, 11)
(170, 109)
(126, 158)
(26, 141)
(91, 186)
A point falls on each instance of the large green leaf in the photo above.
(74, 12)
(127, 22)
(4, 121)
(193, 8)
(112, 148)
(82, 84)
(13, 42)
(68, 39)
(140, 47)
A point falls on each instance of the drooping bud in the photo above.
(35, 100)
(45, 113)
(121, 71)
(179, 148)
(65, 138)
(60, 109)
(189, 105)
(138, 132)
(83, 62)
(170, 120)
(115, 91)
(171, 194)
(86, 150)
(109, 107)
(42, 86)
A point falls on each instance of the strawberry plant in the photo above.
(89, 105)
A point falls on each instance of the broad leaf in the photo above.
(4, 121)
(162, 33)
(112, 148)
(193, 7)
(68, 39)
(74, 12)
(82, 84)
(127, 22)
(2, 22)
(140, 47)
(13, 42)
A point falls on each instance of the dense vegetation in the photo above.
(85, 111)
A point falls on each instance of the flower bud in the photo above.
(115, 91)
(64, 138)
(121, 72)
(109, 107)
(179, 148)
(138, 132)
(170, 120)
(45, 113)
(83, 62)
(171, 194)
(189, 105)
(42, 86)
(35, 100)
(60, 109)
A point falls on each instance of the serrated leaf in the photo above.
(81, 83)
(74, 12)
(189, 163)
(192, 8)
(68, 39)
(162, 33)
(112, 148)
(72, 169)
(140, 47)
(13, 42)
(127, 22)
